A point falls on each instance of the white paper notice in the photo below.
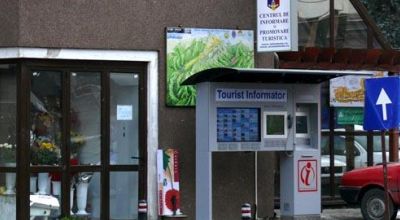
(124, 112)
(274, 26)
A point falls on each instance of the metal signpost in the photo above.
(382, 113)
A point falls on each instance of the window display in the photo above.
(45, 118)
(7, 196)
(8, 109)
(8, 153)
(85, 117)
(8, 143)
(81, 184)
(66, 132)
(44, 149)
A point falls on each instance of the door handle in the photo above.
(136, 158)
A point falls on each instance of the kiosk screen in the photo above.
(238, 125)
(275, 124)
(301, 124)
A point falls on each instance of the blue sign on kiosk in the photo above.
(382, 103)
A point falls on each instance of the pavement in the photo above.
(345, 214)
(340, 214)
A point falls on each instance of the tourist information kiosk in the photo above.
(262, 110)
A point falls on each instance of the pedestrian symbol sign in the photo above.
(382, 103)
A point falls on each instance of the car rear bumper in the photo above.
(349, 194)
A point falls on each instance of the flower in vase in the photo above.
(45, 118)
(7, 153)
(77, 140)
(44, 152)
(56, 176)
(43, 121)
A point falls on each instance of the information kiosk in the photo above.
(262, 110)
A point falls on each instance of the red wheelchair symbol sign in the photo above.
(307, 176)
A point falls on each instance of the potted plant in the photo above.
(44, 152)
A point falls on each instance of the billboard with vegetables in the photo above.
(191, 50)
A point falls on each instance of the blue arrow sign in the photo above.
(383, 99)
(382, 104)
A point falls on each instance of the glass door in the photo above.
(124, 144)
(86, 143)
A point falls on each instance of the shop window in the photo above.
(85, 194)
(46, 118)
(8, 113)
(82, 126)
(85, 115)
(8, 141)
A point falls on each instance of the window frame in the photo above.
(23, 169)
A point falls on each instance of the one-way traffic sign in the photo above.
(382, 103)
(383, 99)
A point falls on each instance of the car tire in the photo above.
(394, 214)
(373, 205)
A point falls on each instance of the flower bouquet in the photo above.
(77, 140)
(7, 153)
(45, 152)
(43, 121)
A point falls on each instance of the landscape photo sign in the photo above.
(191, 50)
(348, 91)
(275, 31)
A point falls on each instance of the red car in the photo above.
(365, 186)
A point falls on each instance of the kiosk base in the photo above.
(300, 186)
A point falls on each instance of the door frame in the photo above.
(150, 59)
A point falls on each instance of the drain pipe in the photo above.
(255, 186)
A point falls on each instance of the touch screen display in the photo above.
(301, 124)
(275, 125)
(238, 125)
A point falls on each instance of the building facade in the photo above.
(86, 80)
(59, 55)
